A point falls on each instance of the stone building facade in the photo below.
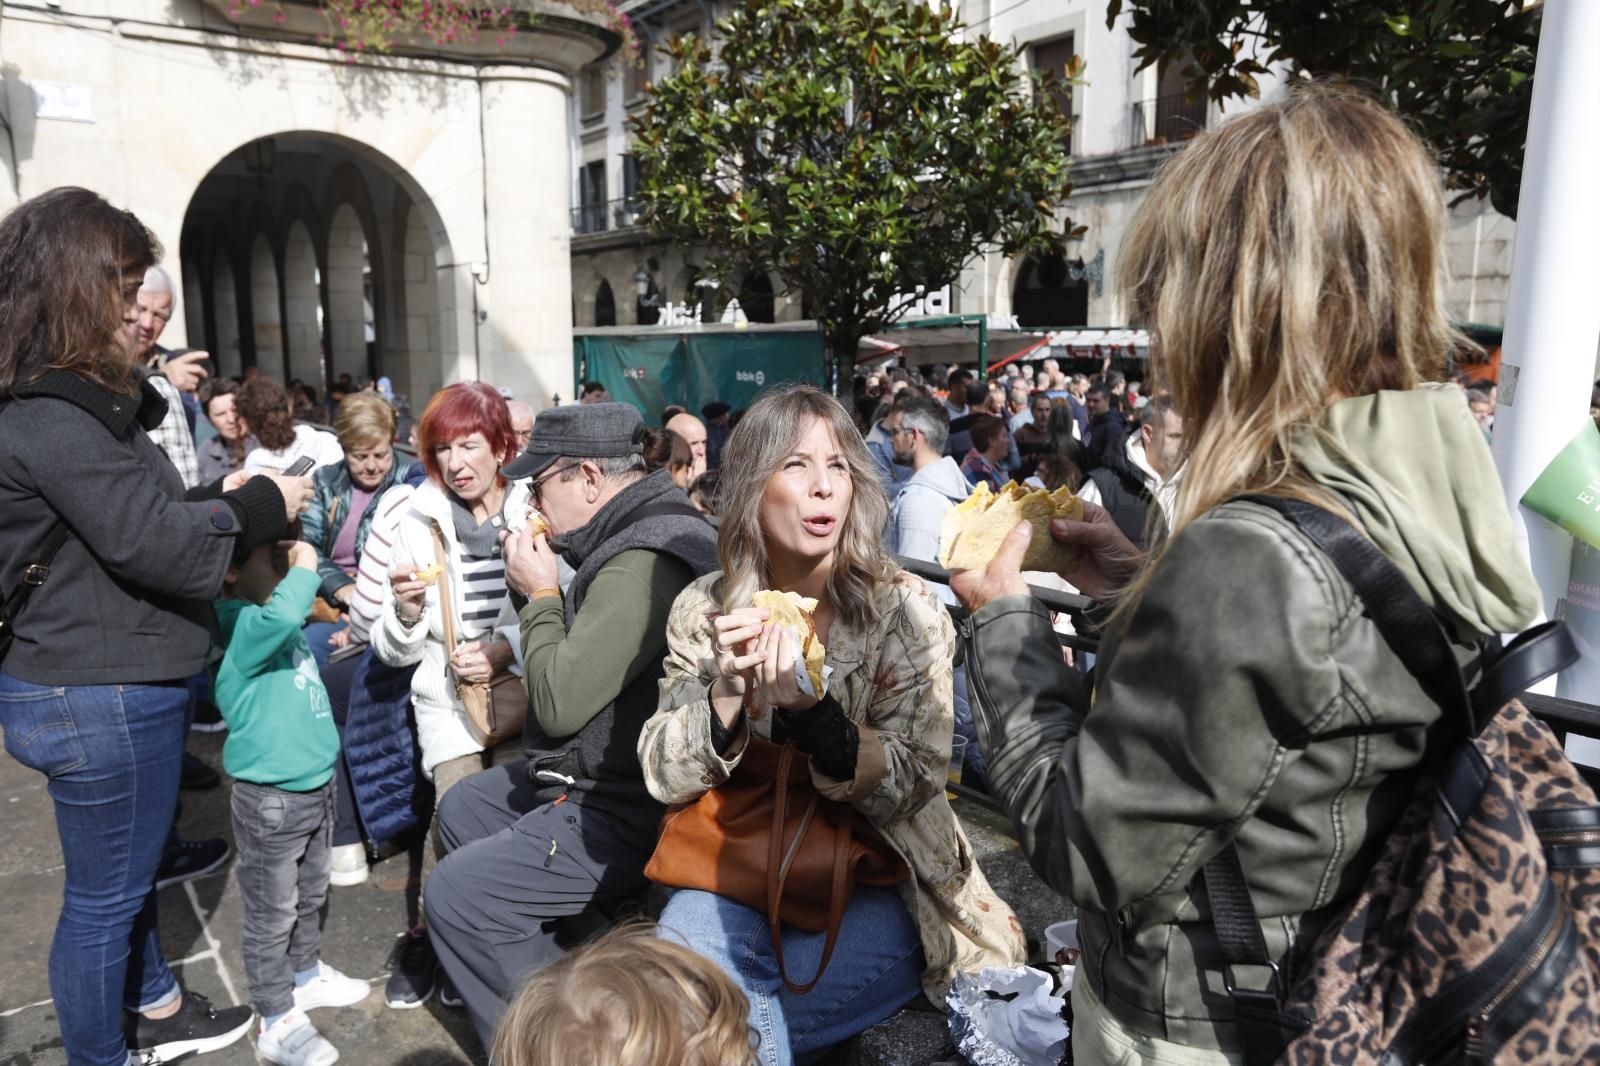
(402, 215)
(1126, 122)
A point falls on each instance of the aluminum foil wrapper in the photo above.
(1024, 1029)
(802, 676)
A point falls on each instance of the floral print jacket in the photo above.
(892, 678)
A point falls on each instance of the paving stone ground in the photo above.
(200, 924)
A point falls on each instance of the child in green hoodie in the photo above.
(280, 751)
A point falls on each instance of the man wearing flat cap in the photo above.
(565, 832)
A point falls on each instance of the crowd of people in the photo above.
(529, 643)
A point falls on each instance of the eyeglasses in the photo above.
(538, 483)
(902, 429)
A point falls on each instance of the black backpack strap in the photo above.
(1409, 626)
(1265, 1029)
(1412, 630)
(1533, 656)
(34, 574)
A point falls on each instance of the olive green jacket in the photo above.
(1247, 699)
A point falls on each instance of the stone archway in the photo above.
(420, 327)
(1046, 295)
(756, 297)
(302, 305)
(364, 275)
(266, 308)
(226, 350)
(605, 305)
(348, 310)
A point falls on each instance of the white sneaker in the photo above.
(294, 1041)
(329, 988)
(349, 865)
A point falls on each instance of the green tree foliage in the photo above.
(1460, 71)
(857, 148)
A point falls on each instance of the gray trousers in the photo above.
(285, 842)
(522, 883)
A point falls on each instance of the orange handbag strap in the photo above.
(778, 871)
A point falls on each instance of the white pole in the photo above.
(1552, 322)
(1553, 317)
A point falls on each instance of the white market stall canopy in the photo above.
(979, 339)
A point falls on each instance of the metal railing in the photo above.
(1561, 715)
(1166, 120)
(607, 215)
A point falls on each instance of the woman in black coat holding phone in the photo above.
(92, 682)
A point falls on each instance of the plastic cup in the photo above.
(958, 759)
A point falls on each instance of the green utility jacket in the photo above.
(1247, 699)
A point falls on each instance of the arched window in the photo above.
(756, 297)
(605, 305)
(1046, 295)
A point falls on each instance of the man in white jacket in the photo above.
(1147, 471)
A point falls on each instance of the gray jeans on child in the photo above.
(285, 842)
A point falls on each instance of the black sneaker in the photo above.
(189, 859)
(196, 1029)
(196, 775)
(448, 996)
(207, 719)
(414, 973)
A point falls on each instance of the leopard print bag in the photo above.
(1476, 936)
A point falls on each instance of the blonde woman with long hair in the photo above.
(1291, 265)
(802, 511)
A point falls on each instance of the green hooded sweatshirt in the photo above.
(1384, 454)
(280, 724)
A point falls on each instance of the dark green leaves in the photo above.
(856, 147)
(1460, 70)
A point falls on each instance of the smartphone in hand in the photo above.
(300, 467)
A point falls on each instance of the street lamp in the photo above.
(649, 295)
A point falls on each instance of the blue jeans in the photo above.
(317, 634)
(111, 754)
(876, 967)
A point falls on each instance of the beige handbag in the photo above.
(498, 707)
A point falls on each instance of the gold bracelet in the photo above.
(537, 594)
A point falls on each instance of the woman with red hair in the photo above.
(464, 437)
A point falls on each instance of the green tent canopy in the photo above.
(652, 367)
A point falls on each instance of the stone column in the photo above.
(525, 327)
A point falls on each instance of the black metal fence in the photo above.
(1166, 120)
(1561, 715)
(607, 215)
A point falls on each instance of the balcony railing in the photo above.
(609, 215)
(1166, 120)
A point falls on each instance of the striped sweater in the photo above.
(482, 608)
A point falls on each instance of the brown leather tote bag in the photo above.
(767, 839)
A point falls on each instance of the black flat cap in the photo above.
(586, 431)
(714, 409)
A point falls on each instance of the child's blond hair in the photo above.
(630, 998)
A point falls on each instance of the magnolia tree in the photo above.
(859, 149)
(1460, 71)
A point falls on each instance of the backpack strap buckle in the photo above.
(36, 574)
(1274, 985)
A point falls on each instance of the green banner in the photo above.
(1568, 492)
(652, 370)
(737, 367)
(644, 371)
